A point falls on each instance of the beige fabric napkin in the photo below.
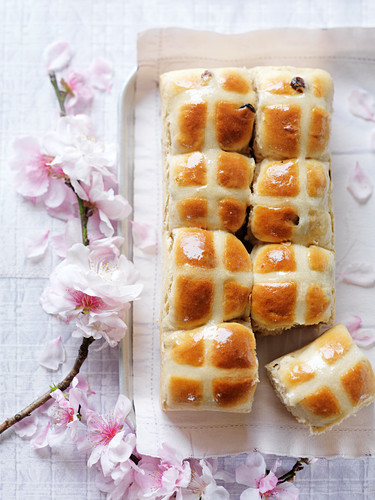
(349, 56)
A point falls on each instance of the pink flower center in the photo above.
(106, 431)
(87, 302)
(45, 162)
(64, 416)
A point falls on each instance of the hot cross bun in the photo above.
(293, 113)
(207, 278)
(208, 190)
(205, 109)
(293, 285)
(291, 201)
(325, 381)
(214, 367)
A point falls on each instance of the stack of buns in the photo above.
(208, 356)
(248, 241)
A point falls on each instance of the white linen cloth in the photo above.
(27, 107)
(347, 54)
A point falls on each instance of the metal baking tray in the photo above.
(126, 183)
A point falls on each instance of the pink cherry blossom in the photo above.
(66, 411)
(112, 328)
(38, 177)
(93, 290)
(111, 439)
(106, 204)
(117, 485)
(144, 236)
(263, 485)
(203, 482)
(101, 74)
(78, 152)
(57, 56)
(106, 248)
(53, 354)
(162, 477)
(33, 168)
(79, 94)
(36, 245)
(359, 185)
(361, 104)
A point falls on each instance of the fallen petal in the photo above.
(72, 234)
(352, 323)
(41, 438)
(144, 236)
(364, 338)
(57, 56)
(361, 104)
(101, 74)
(360, 274)
(27, 427)
(35, 245)
(53, 355)
(359, 185)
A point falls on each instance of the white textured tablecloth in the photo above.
(27, 107)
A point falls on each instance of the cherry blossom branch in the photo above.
(63, 385)
(61, 95)
(84, 214)
(290, 476)
(86, 342)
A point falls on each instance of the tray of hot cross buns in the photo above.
(249, 322)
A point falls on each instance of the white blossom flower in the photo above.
(77, 151)
(94, 287)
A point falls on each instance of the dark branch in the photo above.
(82, 355)
(289, 476)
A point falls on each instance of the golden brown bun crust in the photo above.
(273, 304)
(325, 381)
(193, 301)
(319, 133)
(185, 391)
(234, 125)
(190, 170)
(236, 257)
(232, 214)
(281, 130)
(275, 258)
(213, 367)
(293, 285)
(322, 403)
(196, 248)
(233, 171)
(359, 382)
(273, 225)
(232, 393)
(279, 178)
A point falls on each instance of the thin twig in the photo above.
(61, 95)
(63, 385)
(289, 476)
(84, 219)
